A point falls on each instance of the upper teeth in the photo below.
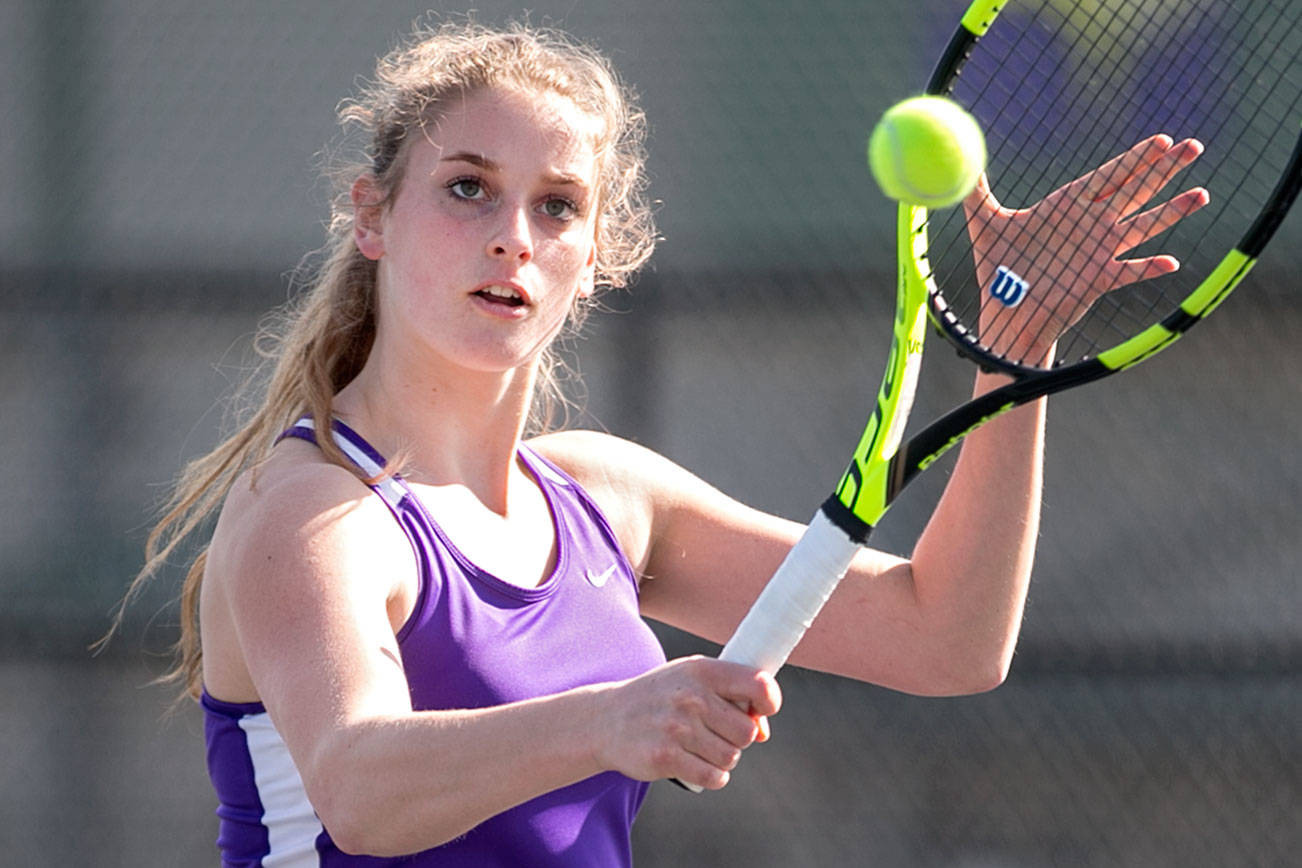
(502, 291)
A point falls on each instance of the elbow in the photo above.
(360, 826)
(986, 675)
(967, 682)
(354, 838)
(969, 657)
(967, 671)
(351, 831)
(350, 798)
(982, 671)
(352, 820)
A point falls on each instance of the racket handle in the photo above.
(794, 596)
(791, 600)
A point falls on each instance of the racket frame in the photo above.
(881, 467)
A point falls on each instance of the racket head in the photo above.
(1064, 86)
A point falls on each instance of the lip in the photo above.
(514, 285)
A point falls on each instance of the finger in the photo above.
(1107, 179)
(1130, 271)
(771, 702)
(1151, 180)
(694, 770)
(691, 745)
(1155, 221)
(745, 686)
(714, 749)
(765, 731)
(981, 201)
(744, 696)
(712, 713)
(732, 722)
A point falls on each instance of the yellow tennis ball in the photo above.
(927, 151)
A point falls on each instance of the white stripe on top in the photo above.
(389, 489)
(292, 825)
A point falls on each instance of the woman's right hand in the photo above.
(688, 719)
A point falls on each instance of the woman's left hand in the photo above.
(1068, 246)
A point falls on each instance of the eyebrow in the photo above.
(472, 158)
(488, 165)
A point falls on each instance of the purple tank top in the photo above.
(472, 641)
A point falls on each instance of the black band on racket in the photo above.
(1281, 199)
(840, 515)
(956, 52)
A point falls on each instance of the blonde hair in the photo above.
(319, 342)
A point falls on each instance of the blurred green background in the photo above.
(158, 182)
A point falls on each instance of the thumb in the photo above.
(981, 200)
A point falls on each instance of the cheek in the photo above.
(560, 261)
(427, 251)
(573, 254)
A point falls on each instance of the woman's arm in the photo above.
(945, 620)
(300, 604)
(941, 622)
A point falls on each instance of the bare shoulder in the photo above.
(594, 458)
(297, 542)
(296, 494)
(608, 465)
(638, 489)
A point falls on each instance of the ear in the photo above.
(588, 282)
(368, 216)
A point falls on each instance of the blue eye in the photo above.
(467, 188)
(561, 209)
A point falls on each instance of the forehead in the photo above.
(513, 126)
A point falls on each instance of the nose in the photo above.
(512, 238)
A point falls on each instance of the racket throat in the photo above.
(844, 518)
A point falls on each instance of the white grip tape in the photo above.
(791, 600)
(793, 597)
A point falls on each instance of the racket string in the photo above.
(972, 310)
(1061, 87)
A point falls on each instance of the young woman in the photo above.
(415, 631)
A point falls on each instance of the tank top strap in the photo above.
(563, 488)
(391, 488)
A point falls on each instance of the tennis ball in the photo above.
(927, 151)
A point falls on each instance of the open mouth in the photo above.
(501, 295)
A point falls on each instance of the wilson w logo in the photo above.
(1008, 288)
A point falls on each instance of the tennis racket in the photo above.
(1061, 87)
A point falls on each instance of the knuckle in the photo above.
(688, 702)
(662, 758)
(693, 662)
(677, 730)
(744, 737)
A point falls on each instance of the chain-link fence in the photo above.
(157, 184)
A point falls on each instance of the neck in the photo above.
(451, 426)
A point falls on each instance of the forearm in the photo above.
(972, 564)
(390, 785)
(403, 783)
(944, 621)
(939, 623)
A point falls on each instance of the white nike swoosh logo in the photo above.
(599, 579)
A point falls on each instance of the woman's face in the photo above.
(491, 234)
